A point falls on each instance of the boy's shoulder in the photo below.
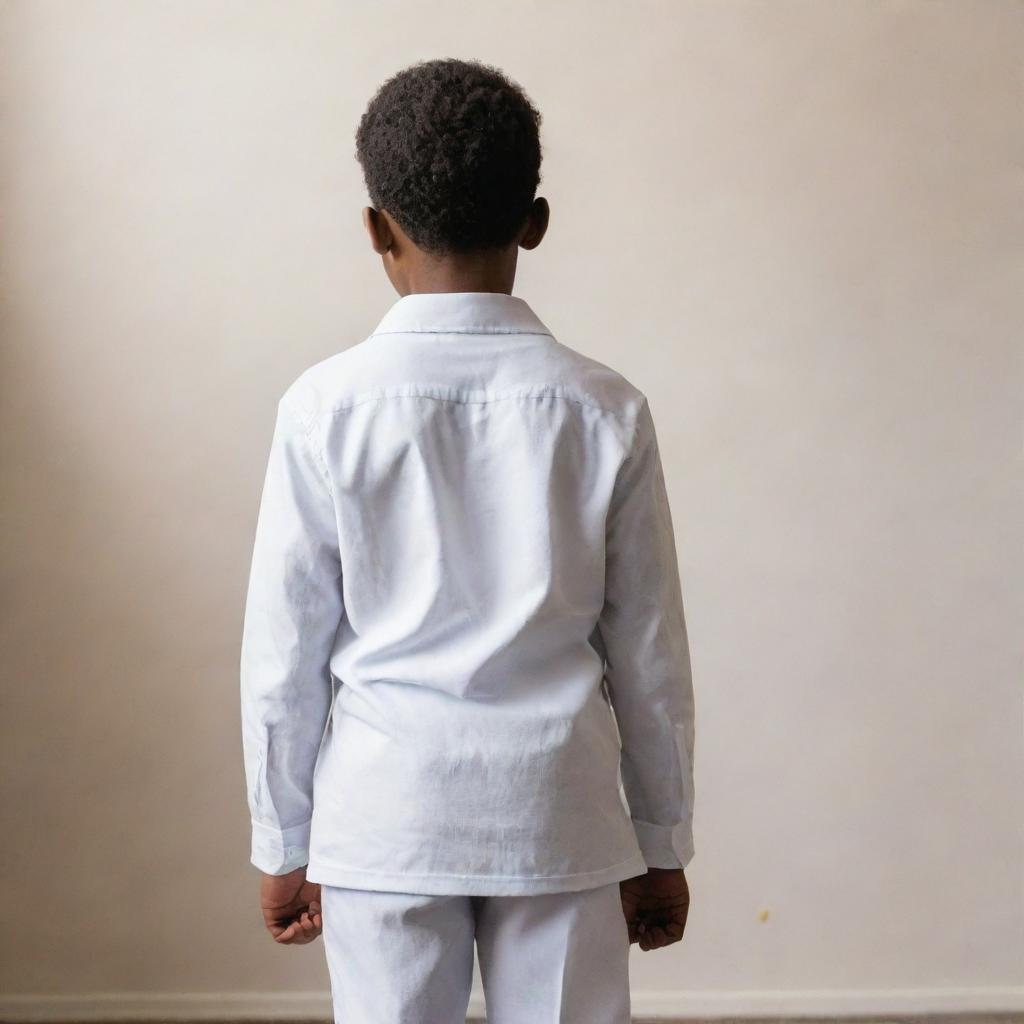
(346, 377)
(606, 384)
(334, 381)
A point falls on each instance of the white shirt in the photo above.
(464, 539)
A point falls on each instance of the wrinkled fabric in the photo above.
(464, 663)
(548, 958)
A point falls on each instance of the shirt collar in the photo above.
(461, 313)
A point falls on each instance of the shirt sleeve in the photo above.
(292, 612)
(647, 658)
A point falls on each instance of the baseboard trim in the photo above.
(664, 1005)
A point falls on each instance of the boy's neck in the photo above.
(470, 272)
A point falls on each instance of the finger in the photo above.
(657, 937)
(287, 935)
(314, 928)
(302, 926)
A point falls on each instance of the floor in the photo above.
(955, 1018)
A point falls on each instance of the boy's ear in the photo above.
(378, 229)
(536, 224)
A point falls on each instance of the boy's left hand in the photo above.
(291, 907)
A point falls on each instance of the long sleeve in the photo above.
(292, 613)
(647, 669)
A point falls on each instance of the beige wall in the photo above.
(795, 225)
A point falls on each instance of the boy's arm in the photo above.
(292, 613)
(647, 670)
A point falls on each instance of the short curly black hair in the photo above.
(451, 149)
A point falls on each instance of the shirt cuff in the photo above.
(665, 846)
(276, 852)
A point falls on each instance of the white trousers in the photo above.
(407, 958)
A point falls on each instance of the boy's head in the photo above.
(450, 150)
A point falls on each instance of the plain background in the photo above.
(797, 226)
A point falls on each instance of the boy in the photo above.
(464, 524)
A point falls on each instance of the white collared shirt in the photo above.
(465, 598)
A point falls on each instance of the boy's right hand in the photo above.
(656, 906)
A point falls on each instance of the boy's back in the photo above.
(484, 510)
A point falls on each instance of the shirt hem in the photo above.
(472, 885)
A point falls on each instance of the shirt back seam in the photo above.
(536, 392)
